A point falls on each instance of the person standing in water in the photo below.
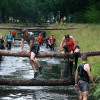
(9, 38)
(84, 72)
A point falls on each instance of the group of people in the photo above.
(12, 20)
(34, 47)
(9, 39)
(49, 42)
(70, 46)
(63, 20)
(83, 70)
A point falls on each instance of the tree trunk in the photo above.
(46, 54)
(34, 82)
(37, 28)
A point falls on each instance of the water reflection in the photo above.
(51, 93)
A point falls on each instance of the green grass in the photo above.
(4, 32)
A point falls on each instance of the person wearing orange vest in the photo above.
(14, 33)
(40, 39)
(72, 47)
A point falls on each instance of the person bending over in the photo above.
(72, 47)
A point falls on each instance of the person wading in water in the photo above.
(84, 72)
(33, 50)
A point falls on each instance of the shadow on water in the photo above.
(19, 67)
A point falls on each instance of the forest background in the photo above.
(81, 11)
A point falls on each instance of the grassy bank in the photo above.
(6, 31)
(87, 37)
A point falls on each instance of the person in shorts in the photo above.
(72, 47)
(33, 50)
(84, 72)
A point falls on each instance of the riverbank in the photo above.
(4, 32)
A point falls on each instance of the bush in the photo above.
(78, 17)
(92, 15)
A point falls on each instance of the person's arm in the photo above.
(87, 68)
(49, 41)
(76, 78)
(38, 38)
(5, 38)
(73, 41)
(4, 45)
(54, 41)
(61, 44)
(22, 43)
(3, 48)
(13, 39)
(15, 35)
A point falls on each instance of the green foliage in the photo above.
(92, 15)
(39, 10)
(78, 17)
(97, 90)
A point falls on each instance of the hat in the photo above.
(67, 36)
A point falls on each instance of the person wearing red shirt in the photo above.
(72, 47)
(51, 42)
(40, 39)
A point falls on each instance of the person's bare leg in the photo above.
(33, 62)
(33, 66)
(32, 58)
(85, 95)
(80, 97)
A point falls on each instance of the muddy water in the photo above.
(19, 67)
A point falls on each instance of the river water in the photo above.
(19, 67)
